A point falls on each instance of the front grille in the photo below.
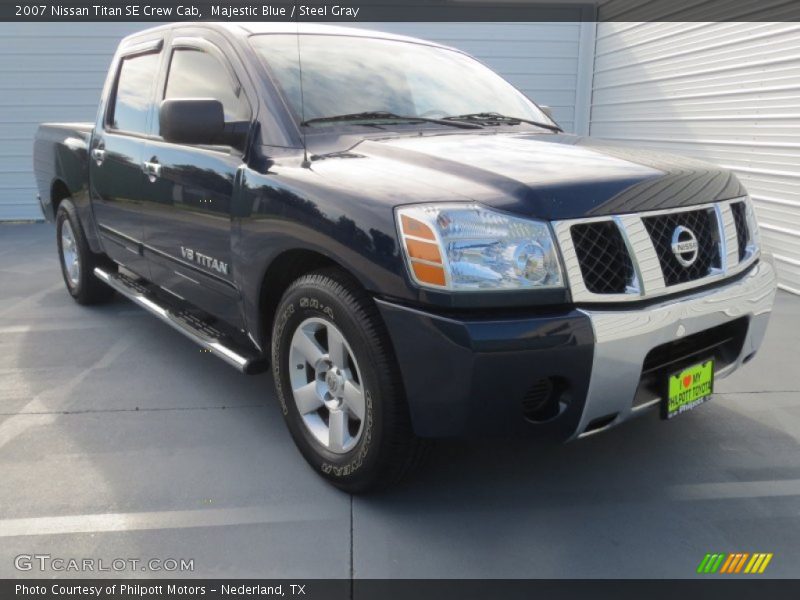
(629, 257)
(703, 224)
(605, 263)
(739, 211)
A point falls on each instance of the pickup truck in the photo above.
(412, 246)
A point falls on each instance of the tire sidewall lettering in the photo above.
(315, 304)
(280, 326)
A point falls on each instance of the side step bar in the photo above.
(204, 335)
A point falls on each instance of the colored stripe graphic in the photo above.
(701, 568)
(734, 563)
(733, 560)
(714, 566)
(757, 558)
(728, 563)
(765, 563)
(740, 564)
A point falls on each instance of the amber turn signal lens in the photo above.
(423, 251)
(416, 228)
(424, 257)
(429, 273)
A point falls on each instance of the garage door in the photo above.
(724, 92)
(48, 72)
(54, 72)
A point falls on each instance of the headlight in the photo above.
(467, 247)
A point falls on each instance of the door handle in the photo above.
(152, 169)
(99, 155)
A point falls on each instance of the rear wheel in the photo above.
(77, 259)
(339, 386)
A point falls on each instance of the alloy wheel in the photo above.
(326, 385)
(69, 254)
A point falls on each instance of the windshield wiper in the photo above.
(388, 116)
(493, 118)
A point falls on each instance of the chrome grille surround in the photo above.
(648, 278)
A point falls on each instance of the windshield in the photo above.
(349, 75)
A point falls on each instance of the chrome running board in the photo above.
(206, 336)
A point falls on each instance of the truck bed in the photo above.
(60, 157)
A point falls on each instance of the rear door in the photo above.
(190, 189)
(115, 162)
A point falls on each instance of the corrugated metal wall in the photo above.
(48, 72)
(724, 92)
(54, 72)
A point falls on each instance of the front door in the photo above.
(189, 189)
(115, 161)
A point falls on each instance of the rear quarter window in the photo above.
(134, 93)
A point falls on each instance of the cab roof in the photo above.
(247, 29)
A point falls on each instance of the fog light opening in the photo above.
(545, 400)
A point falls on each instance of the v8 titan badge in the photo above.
(688, 389)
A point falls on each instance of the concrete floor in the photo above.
(120, 439)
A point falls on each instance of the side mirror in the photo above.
(195, 121)
(548, 111)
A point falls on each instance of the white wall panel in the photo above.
(48, 72)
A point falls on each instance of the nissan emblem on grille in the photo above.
(684, 245)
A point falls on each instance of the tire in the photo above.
(326, 319)
(77, 259)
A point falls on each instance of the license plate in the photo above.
(688, 389)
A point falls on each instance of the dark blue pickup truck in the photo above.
(412, 246)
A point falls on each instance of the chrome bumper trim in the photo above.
(624, 337)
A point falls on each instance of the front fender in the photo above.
(287, 209)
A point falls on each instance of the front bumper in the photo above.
(623, 339)
(468, 376)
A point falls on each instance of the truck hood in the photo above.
(544, 176)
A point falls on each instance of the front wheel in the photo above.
(339, 385)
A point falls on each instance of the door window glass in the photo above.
(137, 76)
(196, 74)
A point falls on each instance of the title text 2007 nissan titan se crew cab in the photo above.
(415, 248)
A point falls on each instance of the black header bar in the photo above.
(733, 588)
(396, 10)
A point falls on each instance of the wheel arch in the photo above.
(59, 190)
(284, 269)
